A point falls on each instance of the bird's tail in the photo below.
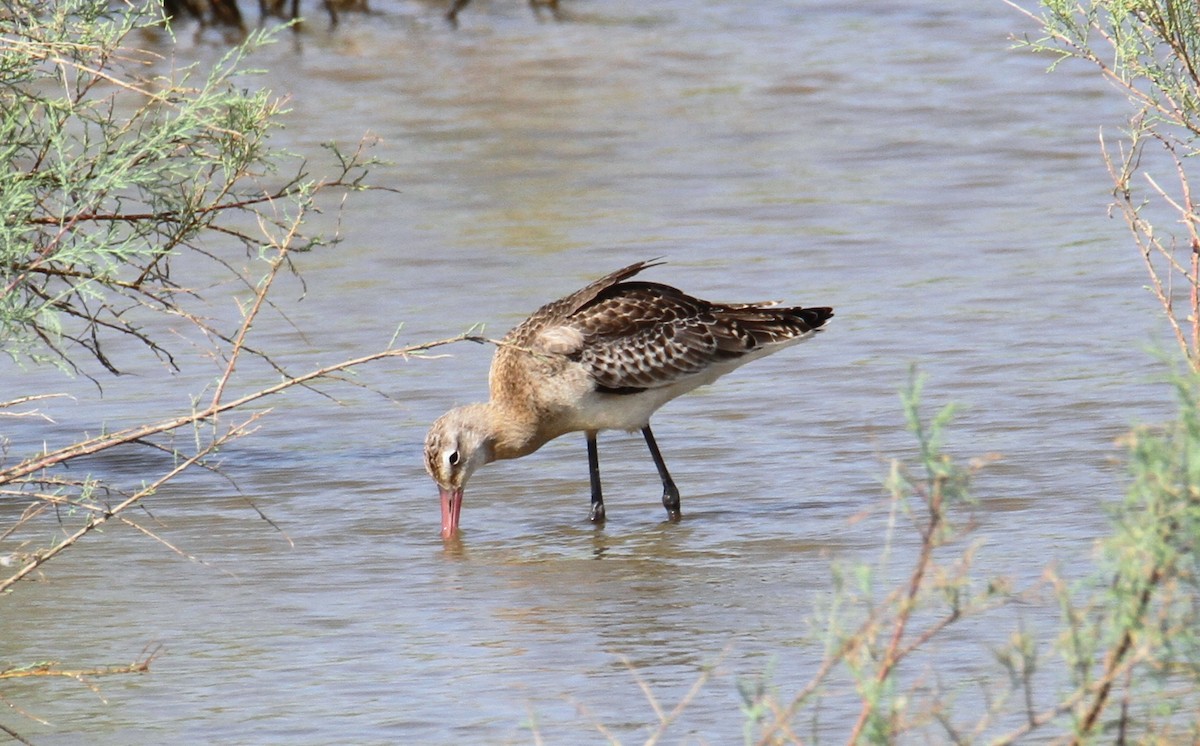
(760, 325)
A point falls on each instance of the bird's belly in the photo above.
(567, 398)
(604, 411)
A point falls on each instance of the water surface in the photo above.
(897, 161)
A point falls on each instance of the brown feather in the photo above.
(633, 336)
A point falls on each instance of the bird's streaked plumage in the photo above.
(603, 358)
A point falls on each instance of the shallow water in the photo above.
(897, 161)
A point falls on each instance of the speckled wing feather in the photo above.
(643, 335)
(556, 312)
(633, 336)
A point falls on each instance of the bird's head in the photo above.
(458, 443)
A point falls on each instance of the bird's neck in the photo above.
(513, 431)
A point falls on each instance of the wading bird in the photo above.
(603, 358)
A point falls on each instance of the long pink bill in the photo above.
(451, 507)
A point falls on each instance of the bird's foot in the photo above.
(597, 514)
(670, 500)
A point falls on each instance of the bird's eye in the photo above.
(452, 458)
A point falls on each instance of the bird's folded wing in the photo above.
(645, 335)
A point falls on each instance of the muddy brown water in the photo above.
(897, 161)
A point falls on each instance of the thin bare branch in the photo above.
(99, 443)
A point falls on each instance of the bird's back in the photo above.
(620, 338)
(560, 312)
(644, 335)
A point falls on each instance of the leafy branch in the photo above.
(1150, 50)
(98, 200)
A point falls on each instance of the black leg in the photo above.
(597, 514)
(670, 491)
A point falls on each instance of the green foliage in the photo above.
(875, 630)
(111, 168)
(938, 591)
(1151, 625)
(1151, 50)
(1151, 47)
(1127, 653)
(115, 168)
(1138, 642)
